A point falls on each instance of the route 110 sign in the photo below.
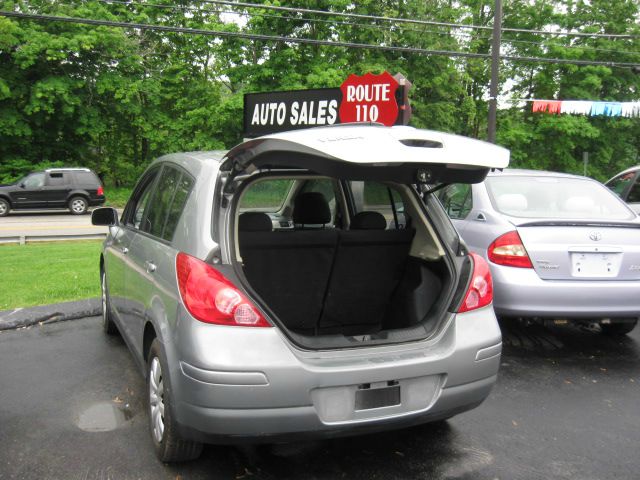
(369, 98)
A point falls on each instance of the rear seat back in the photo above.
(369, 264)
(290, 269)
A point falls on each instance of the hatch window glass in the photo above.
(267, 195)
(369, 196)
(554, 197)
(456, 200)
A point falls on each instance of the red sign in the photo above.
(369, 98)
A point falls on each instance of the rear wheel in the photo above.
(169, 446)
(107, 322)
(78, 205)
(619, 328)
(4, 207)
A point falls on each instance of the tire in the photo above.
(108, 325)
(4, 207)
(619, 328)
(169, 446)
(78, 205)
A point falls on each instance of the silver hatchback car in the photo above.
(302, 284)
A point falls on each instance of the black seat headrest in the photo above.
(311, 208)
(369, 221)
(254, 222)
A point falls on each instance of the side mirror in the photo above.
(106, 216)
(22, 185)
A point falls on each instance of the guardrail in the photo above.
(23, 239)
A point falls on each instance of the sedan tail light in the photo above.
(100, 190)
(480, 291)
(212, 298)
(508, 250)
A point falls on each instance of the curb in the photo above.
(59, 312)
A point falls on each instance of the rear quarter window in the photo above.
(86, 178)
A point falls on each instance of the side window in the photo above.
(634, 193)
(183, 188)
(138, 204)
(456, 200)
(371, 196)
(619, 184)
(268, 195)
(161, 203)
(35, 180)
(55, 179)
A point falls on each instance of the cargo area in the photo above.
(376, 277)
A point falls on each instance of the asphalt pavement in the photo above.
(566, 406)
(47, 225)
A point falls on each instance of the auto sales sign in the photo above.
(367, 98)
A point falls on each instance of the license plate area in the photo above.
(595, 264)
(383, 394)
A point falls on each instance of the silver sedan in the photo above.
(559, 246)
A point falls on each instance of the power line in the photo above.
(415, 21)
(308, 41)
(356, 24)
(281, 17)
(249, 36)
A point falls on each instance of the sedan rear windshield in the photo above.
(554, 197)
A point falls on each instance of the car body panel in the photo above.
(552, 288)
(229, 382)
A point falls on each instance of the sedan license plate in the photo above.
(377, 397)
(592, 264)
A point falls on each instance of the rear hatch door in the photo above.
(402, 154)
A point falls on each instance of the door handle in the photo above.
(150, 266)
(481, 217)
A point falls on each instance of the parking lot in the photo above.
(565, 406)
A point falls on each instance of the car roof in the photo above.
(518, 172)
(628, 170)
(66, 169)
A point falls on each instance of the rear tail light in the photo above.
(508, 250)
(100, 190)
(211, 298)
(480, 291)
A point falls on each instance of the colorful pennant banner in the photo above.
(585, 107)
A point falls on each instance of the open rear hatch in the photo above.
(345, 285)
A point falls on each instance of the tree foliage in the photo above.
(113, 99)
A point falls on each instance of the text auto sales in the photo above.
(321, 112)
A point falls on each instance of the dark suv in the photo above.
(74, 188)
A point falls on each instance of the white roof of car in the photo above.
(367, 144)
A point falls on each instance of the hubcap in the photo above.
(156, 399)
(78, 206)
(3, 208)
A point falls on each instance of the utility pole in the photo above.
(495, 71)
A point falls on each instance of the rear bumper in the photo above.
(96, 201)
(276, 393)
(236, 426)
(521, 292)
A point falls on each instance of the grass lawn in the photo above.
(117, 196)
(43, 273)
